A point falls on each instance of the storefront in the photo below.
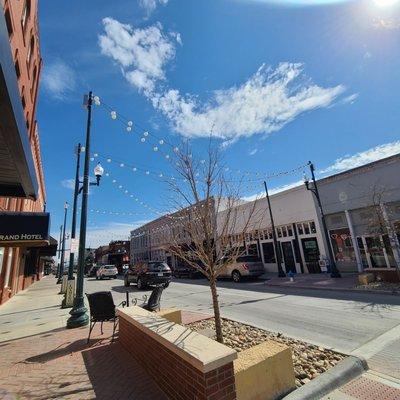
(24, 241)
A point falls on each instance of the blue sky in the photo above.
(277, 82)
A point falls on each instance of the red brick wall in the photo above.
(176, 377)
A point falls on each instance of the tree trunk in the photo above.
(217, 315)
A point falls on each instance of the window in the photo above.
(8, 22)
(312, 227)
(34, 76)
(306, 228)
(30, 51)
(290, 231)
(269, 253)
(284, 231)
(17, 68)
(300, 230)
(342, 245)
(25, 14)
(279, 230)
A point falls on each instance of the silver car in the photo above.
(107, 271)
(243, 266)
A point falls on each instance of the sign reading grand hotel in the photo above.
(22, 227)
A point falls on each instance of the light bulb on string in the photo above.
(113, 114)
(155, 148)
(134, 169)
(122, 165)
(108, 160)
(143, 139)
(167, 156)
(128, 128)
(145, 134)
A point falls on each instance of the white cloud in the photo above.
(59, 79)
(350, 99)
(274, 190)
(264, 103)
(150, 5)
(102, 234)
(341, 164)
(386, 23)
(363, 157)
(142, 53)
(253, 152)
(68, 183)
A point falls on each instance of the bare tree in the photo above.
(209, 227)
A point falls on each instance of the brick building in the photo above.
(22, 187)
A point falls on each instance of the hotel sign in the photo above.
(23, 227)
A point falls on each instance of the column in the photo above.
(355, 243)
(394, 242)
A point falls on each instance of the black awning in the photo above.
(49, 250)
(19, 228)
(17, 170)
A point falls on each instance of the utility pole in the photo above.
(334, 271)
(281, 273)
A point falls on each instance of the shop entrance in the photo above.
(288, 257)
(311, 255)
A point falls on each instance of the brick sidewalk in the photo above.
(60, 365)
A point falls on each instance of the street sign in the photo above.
(74, 245)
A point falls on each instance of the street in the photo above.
(342, 321)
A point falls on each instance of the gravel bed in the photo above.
(385, 286)
(309, 360)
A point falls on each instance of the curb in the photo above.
(343, 372)
(387, 292)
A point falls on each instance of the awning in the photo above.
(24, 229)
(17, 171)
(50, 250)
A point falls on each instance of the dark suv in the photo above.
(148, 273)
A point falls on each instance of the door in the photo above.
(288, 257)
(311, 255)
(375, 250)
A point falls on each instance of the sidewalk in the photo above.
(40, 359)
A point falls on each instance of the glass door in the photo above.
(375, 250)
(288, 256)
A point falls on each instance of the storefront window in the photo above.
(1, 258)
(269, 253)
(300, 229)
(342, 245)
(8, 267)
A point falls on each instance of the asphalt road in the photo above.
(340, 320)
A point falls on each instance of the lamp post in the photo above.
(281, 273)
(78, 313)
(60, 277)
(69, 293)
(314, 189)
(59, 254)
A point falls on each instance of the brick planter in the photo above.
(184, 364)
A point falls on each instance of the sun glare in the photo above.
(385, 3)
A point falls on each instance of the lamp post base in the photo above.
(78, 316)
(335, 274)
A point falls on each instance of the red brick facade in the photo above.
(176, 377)
(22, 25)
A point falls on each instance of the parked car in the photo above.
(93, 270)
(148, 273)
(243, 266)
(107, 271)
(185, 270)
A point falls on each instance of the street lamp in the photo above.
(78, 313)
(314, 189)
(281, 273)
(60, 276)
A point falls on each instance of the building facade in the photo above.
(20, 261)
(362, 209)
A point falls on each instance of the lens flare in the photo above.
(385, 3)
